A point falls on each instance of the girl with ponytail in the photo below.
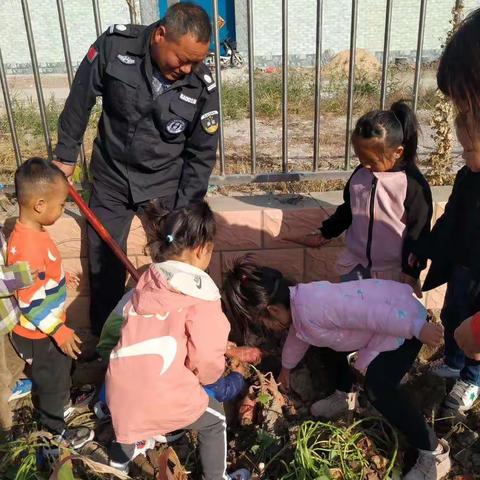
(380, 319)
(387, 205)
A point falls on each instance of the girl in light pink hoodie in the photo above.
(380, 319)
(172, 343)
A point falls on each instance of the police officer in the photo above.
(157, 134)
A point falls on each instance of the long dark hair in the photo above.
(248, 290)
(397, 127)
(171, 232)
(458, 74)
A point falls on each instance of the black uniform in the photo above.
(155, 141)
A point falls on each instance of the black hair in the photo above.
(458, 75)
(187, 18)
(169, 233)
(397, 126)
(248, 290)
(34, 176)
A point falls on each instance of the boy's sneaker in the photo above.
(101, 410)
(140, 449)
(21, 389)
(74, 438)
(331, 407)
(241, 474)
(462, 396)
(82, 399)
(431, 465)
(444, 371)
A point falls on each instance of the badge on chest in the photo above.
(176, 126)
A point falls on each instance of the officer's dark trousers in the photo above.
(107, 273)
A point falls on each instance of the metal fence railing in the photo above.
(254, 175)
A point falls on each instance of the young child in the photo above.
(12, 278)
(172, 344)
(379, 318)
(387, 205)
(41, 338)
(453, 247)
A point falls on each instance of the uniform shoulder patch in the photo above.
(131, 31)
(210, 121)
(206, 76)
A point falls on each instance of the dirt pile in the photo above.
(365, 62)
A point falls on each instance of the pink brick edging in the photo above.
(245, 225)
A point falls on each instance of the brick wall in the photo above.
(336, 34)
(245, 225)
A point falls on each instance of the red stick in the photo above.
(104, 235)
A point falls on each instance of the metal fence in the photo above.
(254, 176)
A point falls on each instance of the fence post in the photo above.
(351, 82)
(8, 108)
(318, 85)
(418, 60)
(36, 76)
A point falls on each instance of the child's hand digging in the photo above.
(284, 380)
(431, 334)
(71, 346)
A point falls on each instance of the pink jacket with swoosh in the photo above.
(173, 341)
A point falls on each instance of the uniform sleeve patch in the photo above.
(92, 54)
(210, 121)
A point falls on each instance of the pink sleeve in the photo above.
(207, 331)
(294, 349)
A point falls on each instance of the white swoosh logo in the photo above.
(133, 313)
(51, 257)
(165, 347)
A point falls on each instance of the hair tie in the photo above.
(169, 239)
(243, 279)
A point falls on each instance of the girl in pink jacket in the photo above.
(172, 343)
(380, 319)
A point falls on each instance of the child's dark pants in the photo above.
(50, 370)
(455, 310)
(212, 443)
(382, 385)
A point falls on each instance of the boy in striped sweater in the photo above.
(41, 338)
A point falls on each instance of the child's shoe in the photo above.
(120, 460)
(331, 407)
(74, 438)
(82, 399)
(21, 389)
(241, 474)
(431, 465)
(462, 396)
(442, 370)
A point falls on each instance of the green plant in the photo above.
(324, 449)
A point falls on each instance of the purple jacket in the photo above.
(371, 316)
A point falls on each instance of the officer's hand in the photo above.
(66, 169)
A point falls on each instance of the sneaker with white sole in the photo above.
(462, 396)
(82, 399)
(332, 406)
(431, 465)
(241, 474)
(442, 370)
(21, 389)
(119, 454)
